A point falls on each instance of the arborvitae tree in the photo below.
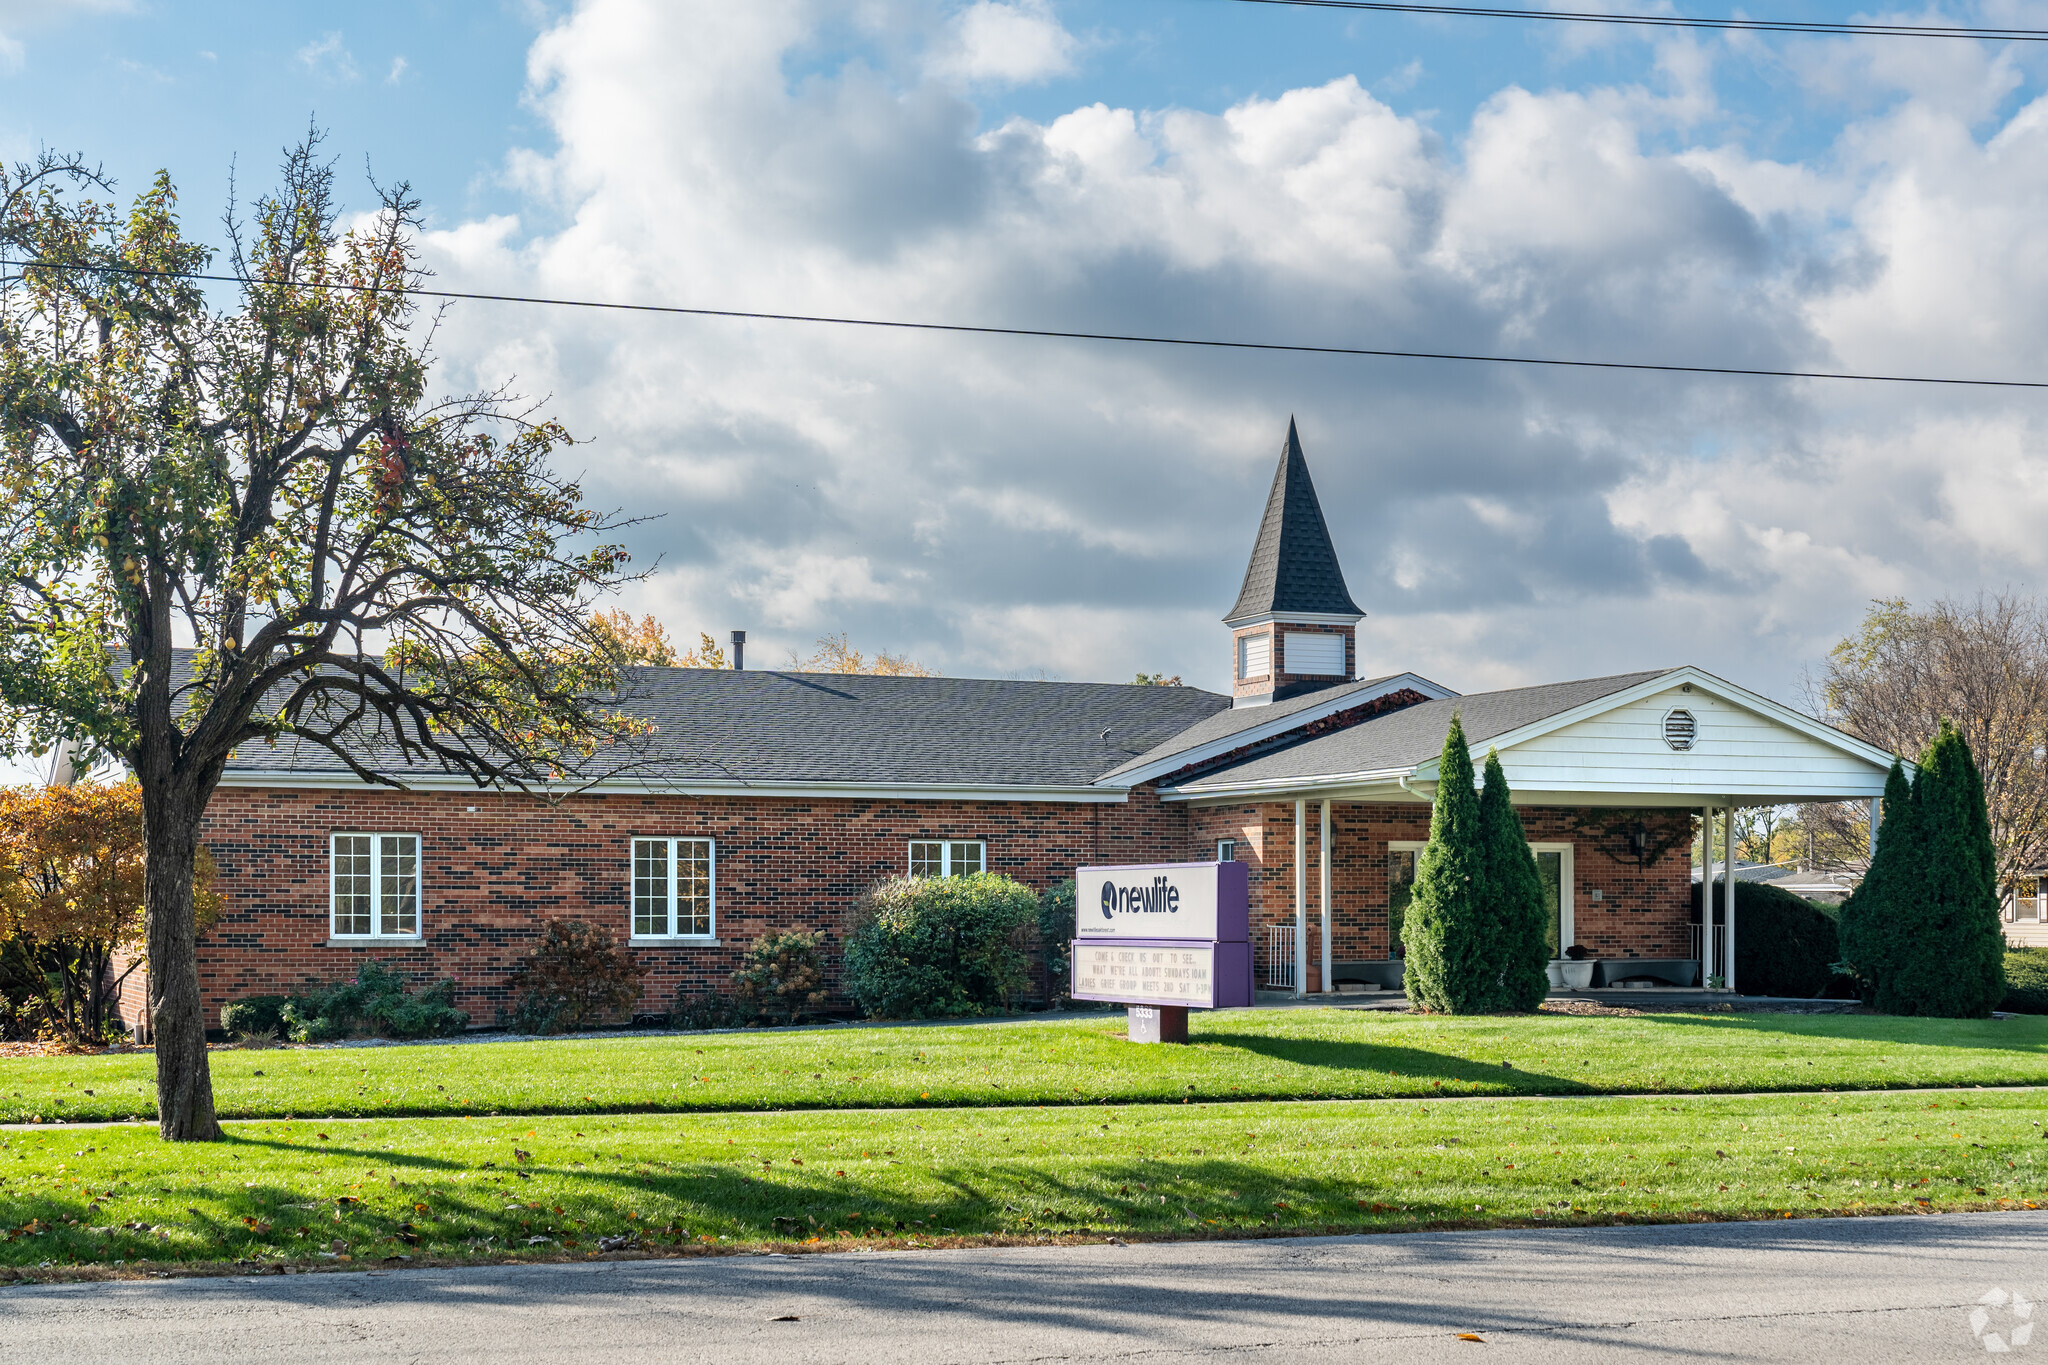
(1448, 928)
(1948, 958)
(1923, 931)
(1514, 896)
(1868, 914)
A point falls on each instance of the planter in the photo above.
(1556, 968)
(1577, 975)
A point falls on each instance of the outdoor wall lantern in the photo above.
(1639, 842)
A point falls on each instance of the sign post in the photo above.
(1163, 938)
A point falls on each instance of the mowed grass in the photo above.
(316, 1192)
(1264, 1054)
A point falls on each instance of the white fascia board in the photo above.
(1280, 725)
(1295, 618)
(1706, 682)
(1288, 788)
(850, 791)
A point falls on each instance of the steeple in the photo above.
(1293, 579)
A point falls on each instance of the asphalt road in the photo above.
(1873, 1289)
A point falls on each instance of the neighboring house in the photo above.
(2026, 912)
(776, 797)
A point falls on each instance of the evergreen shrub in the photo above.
(1521, 921)
(1785, 945)
(939, 947)
(377, 1002)
(1922, 934)
(254, 1016)
(1451, 966)
(2026, 981)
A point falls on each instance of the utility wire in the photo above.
(1824, 28)
(1136, 338)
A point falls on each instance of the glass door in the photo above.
(1550, 867)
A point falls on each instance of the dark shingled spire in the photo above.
(1293, 568)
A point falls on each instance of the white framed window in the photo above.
(1226, 850)
(1314, 654)
(1553, 868)
(1254, 656)
(674, 885)
(947, 857)
(373, 888)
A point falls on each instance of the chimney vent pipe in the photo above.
(739, 650)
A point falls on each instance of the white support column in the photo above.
(1706, 894)
(1876, 809)
(1300, 898)
(1728, 906)
(1325, 848)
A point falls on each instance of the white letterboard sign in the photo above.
(1159, 900)
(1146, 974)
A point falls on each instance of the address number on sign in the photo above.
(1180, 975)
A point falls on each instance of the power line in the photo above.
(1134, 338)
(1820, 27)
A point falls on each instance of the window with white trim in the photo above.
(374, 886)
(947, 857)
(674, 887)
(1254, 656)
(1226, 850)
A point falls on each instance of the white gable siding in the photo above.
(1736, 753)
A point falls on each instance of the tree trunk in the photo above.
(184, 1081)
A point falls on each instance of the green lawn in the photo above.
(488, 1188)
(1266, 1054)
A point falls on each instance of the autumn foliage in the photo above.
(71, 902)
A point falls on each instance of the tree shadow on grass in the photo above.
(1380, 1069)
(1996, 1035)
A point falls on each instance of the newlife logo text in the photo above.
(1156, 900)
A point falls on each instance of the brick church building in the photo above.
(800, 789)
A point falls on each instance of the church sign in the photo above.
(1168, 934)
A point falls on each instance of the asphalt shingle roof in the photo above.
(767, 726)
(1402, 739)
(1293, 566)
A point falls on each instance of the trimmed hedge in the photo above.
(939, 947)
(1056, 938)
(1449, 932)
(1784, 944)
(2026, 980)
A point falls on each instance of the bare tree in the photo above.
(247, 523)
(1982, 665)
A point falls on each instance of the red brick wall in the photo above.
(493, 866)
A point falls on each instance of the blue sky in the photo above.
(1035, 509)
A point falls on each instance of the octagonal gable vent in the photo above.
(1681, 731)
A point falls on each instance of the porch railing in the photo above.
(1278, 974)
(1720, 958)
